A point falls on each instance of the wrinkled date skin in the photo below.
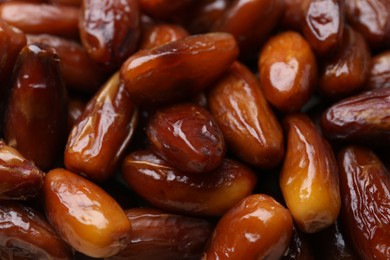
(163, 8)
(299, 247)
(324, 24)
(36, 18)
(101, 135)
(35, 118)
(164, 236)
(379, 76)
(167, 188)
(20, 179)
(25, 234)
(188, 137)
(84, 215)
(179, 69)
(365, 191)
(250, 128)
(288, 71)
(308, 179)
(363, 118)
(347, 71)
(160, 34)
(110, 30)
(257, 227)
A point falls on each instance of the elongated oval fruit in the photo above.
(84, 215)
(308, 179)
(365, 211)
(179, 69)
(257, 227)
(101, 134)
(170, 189)
(25, 234)
(248, 124)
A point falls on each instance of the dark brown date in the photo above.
(167, 188)
(379, 76)
(163, 8)
(179, 69)
(35, 118)
(76, 108)
(160, 34)
(294, 14)
(299, 248)
(365, 191)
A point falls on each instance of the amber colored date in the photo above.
(188, 137)
(179, 69)
(365, 191)
(308, 179)
(288, 71)
(363, 118)
(110, 30)
(35, 118)
(163, 8)
(25, 234)
(100, 136)
(160, 34)
(37, 18)
(250, 128)
(159, 235)
(257, 227)
(167, 188)
(84, 215)
(379, 76)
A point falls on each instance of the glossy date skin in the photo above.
(84, 215)
(160, 34)
(257, 227)
(35, 117)
(102, 133)
(159, 235)
(250, 128)
(179, 69)
(167, 188)
(308, 179)
(110, 30)
(365, 191)
(364, 118)
(379, 76)
(25, 234)
(188, 137)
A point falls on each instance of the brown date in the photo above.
(161, 9)
(35, 117)
(76, 108)
(159, 235)
(364, 118)
(110, 30)
(257, 227)
(170, 189)
(178, 69)
(37, 18)
(84, 215)
(102, 133)
(188, 137)
(25, 234)
(365, 191)
(20, 179)
(379, 76)
(299, 248)
(288, 71)
(308, 179)
(160, 34)
(294, 14)
(250, 128)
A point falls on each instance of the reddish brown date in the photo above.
(379, 76)
(76, 108)
(110, 30)
(288, 71)
(179, 69)
(365, 191)
(188, 137)
(364, 118)
(257, 227)
(25, 234)
(100, 136)
(39, 18)
(250, 128)
(84, 215)
(164, 236)
(160, 34)
(163, 8)
(294, 14)
(197, 194)
(308, 179)
(35, 118)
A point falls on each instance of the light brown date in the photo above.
(379, 76)
(167, 188)
(84, 215)
(179, 69)
(308, 179)
(250, 128)
(160, 34)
